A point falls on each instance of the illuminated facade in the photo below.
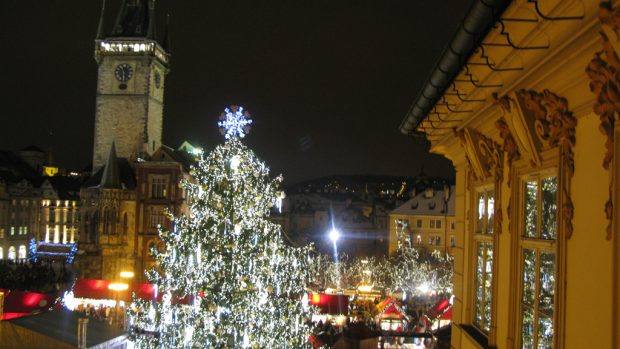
(429, 218)
(130, 88)
(135, 178)
(34, 207)
(523, 104)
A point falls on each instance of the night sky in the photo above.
(327, 82)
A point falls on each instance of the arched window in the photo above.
(106, 220)
(12, 255)
(151, 246)
(22, 252)
(94, 226)
(125, 224)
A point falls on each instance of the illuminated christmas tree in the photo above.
(246, 284)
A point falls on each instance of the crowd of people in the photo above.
(40, 276)
(102, 313)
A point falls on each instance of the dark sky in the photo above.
(327, 82)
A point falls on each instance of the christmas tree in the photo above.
(246, 285)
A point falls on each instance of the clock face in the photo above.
(123, 72)
(157, 79)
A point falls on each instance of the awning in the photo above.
(98, 289)
(333, 304)
(21, 303)
(438, 309)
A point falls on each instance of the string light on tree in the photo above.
(247, 285)
(234, 122)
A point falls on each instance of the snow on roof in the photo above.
(429, 203)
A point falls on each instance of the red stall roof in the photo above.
(21, 303)
(98, 289)
(332, 304)
(438, 309)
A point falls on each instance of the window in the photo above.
(157, 217)
(418, 239)
(22, 252)
(1, 253)
(158, 188)
(419, 223)
(12, 231)
(437, 240)
(483, 258)
(452, 226)
(538, 267)
(438, 223)
(1, 234)
(452, 241)
(432, 223)
(12, 255)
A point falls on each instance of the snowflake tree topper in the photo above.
(234, 122)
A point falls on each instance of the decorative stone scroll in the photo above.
(554, 126)
(604, 73)
(509, 144)
(486, 159)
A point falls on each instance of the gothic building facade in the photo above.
(135, 178)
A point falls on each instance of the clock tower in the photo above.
(132, 65)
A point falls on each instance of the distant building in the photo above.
(428, 220)
(362, 223)
(33, 206)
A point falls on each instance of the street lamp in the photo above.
(334, 235)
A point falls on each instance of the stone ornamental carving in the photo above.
(604, 73)
(554, 126)
(486, 159)
(509, 144)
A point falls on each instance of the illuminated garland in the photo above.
(246, 285)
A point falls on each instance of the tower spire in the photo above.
(150, 33)
(100, 34)
(111, 178)
(166, 40)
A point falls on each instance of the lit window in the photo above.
(539, 230)
(483, 259)
(1, 234)
(22, 252)
(158, 188)
(12, 255)
(1, 253)
(12, 231)
(418, 239)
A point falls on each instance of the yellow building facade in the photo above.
(428, 219)
(523, 102)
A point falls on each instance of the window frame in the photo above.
(484, 236)
(538, 245)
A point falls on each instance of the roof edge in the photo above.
(481, 17)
